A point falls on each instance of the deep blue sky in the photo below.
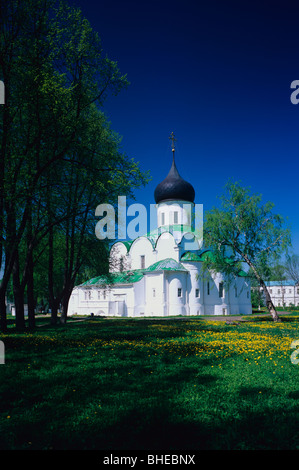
(217, 74)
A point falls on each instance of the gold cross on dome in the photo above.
(173, 140)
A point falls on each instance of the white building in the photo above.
(158, 274)
(284, 293)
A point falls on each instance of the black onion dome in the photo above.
(174, 187)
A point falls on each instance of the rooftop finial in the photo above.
(173, 140)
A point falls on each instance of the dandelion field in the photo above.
(151, 384)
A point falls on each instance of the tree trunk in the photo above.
(53, 301)
(65, 304)
(54, 311)
(28, 274)
(269, 304)
(30, 295)
(63, 317)
(3, 319)
(18, 292)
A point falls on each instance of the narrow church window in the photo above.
(196, 292)
(188, 218)
(142, 261)
(163, 218)
(99, 294)
(121, 264)
(86, 295)
(208, 288)
(175, 217)
(220, 289)
(104, 295)
(179, 292)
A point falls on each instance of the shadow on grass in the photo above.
(158, 429)
(294, 394)
(128, 398)
(254, 392)
(116, 405)
(148, 419)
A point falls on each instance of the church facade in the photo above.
(160, 273)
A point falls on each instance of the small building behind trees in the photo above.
(284, 293)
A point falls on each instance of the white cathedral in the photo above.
(160, 274)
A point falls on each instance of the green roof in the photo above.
(190, 256)
(125, 277)
(168, 264)
(280, 283)
(207, 254)
(127, 244)
(133, 275)
(242, 273)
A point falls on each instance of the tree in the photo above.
(56, 80)
(278, 272)
(246, 231)
(292, 267)
(257, 299)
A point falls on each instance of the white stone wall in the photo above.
(195, 293)
(240, 296)
(166, 247)
(283, 295)
(139, 298)
(142, 247)
(157, 295)
(176, 304)
(183, 209)
(154, 294)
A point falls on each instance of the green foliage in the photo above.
(292, 267)
(244, 230)
(59, 156)
(257, 298)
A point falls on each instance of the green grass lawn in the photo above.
(151, 385)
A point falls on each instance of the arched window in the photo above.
(221, 290)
